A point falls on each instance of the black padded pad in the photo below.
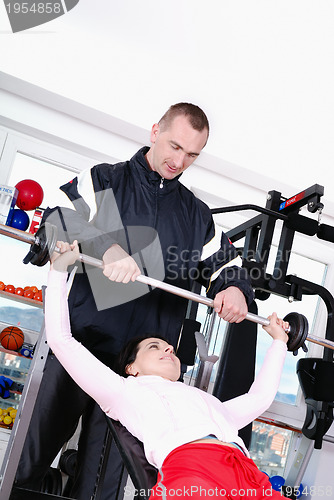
(142, 473)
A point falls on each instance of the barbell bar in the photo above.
(43, 245)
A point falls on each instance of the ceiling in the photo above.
(263, 71)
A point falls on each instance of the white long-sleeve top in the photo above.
(160, 413)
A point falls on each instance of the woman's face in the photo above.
(155, 357)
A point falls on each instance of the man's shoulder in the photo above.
(190, 197)
(120, 167)
(104, 173)
(111, 167)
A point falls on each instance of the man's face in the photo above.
(174, 148)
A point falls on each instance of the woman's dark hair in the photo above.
(129, 352)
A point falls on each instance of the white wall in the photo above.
(262, 69)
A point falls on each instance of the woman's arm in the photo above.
(244, 409)
(99, 381)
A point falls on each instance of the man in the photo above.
(139, 219)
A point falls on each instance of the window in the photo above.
(270, 446)
(34, 163)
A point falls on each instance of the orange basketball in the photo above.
(12, 338)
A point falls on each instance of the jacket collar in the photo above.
(150, 178)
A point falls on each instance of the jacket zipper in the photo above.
(161, 185)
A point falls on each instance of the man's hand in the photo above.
(230, 304)
(119, 266)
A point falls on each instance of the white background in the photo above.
(261, 69)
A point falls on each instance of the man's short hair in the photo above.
(196, 116)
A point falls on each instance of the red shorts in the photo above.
(205, 470)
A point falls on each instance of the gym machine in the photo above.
(258, 235)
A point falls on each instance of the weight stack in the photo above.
(236, 369)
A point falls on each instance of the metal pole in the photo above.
(17, 234)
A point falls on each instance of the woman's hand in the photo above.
(277, 327)
(67, 255)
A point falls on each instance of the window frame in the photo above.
(45, 151)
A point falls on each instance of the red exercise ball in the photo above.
(12, 338)
(30, 194)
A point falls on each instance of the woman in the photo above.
(189, 435)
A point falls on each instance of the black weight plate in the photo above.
(44, 245)
(298, 330)
(294, 323)
(303, 334)
(68, 461)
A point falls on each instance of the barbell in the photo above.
(43, 244)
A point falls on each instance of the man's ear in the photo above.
(154, 132)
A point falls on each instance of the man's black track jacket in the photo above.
(130, 194)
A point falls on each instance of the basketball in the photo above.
(12, 338)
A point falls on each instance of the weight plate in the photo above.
(305, 333)
(298, 330)
(44, 245)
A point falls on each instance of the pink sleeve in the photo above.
(99, 381)
(244, 409)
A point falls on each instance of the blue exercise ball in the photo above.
(277, 482)
(20, 219)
